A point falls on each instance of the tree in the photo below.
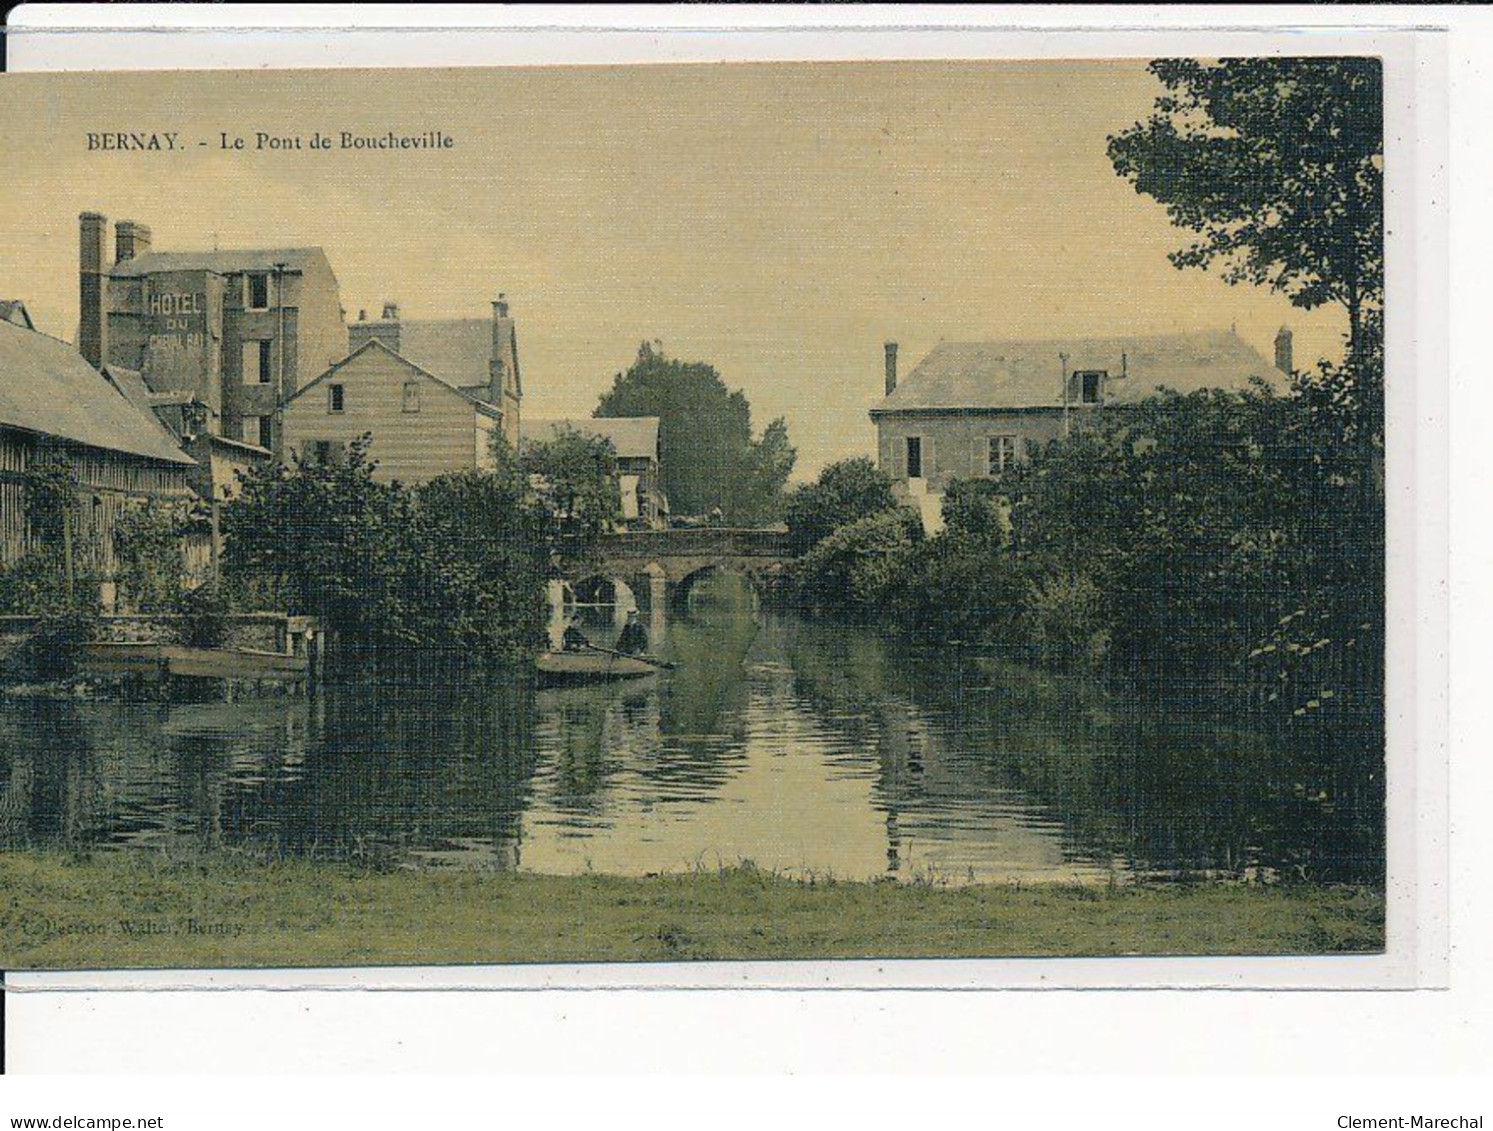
(845, 492)
(575, 476)
(327, 540)
(476, 577)
(767, 472)
(1277, 165)
(707, 457)
(459, 561)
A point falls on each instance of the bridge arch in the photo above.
(662, 566)
(684, 586)
(595, 601)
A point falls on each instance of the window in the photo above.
(266, 431)
(326, 451)
(1002, 454)
(412, 396)
(1091, 384)
(914, 457)
(257, 292)
(334, 398)
(257, 365)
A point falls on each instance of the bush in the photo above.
(1065, 618)
(34, 584)
(858, 565)
(975, 510)
(957, 588)
(54, 646)
(476, 573)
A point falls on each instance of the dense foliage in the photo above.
(148, 553)
(459, 560)
(1219, 551)
(575, 477)
(1215, 544)
(52, 579)
(707, 455)
(845, 492)
(854, 565)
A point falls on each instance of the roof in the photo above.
(1028, 373)
(131, 383)
(480, 403)
(225, 262)
(457, 350)
(634, 437)
(13, 310)
(47, 387)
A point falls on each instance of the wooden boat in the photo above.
(559, 668)
(175, 659)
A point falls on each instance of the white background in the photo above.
(1312, 1040)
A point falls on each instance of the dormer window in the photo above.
(1090, 384)
(257, 292)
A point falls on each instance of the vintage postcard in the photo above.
(779, 510)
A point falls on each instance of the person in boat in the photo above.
(574, 639)
(634, 638)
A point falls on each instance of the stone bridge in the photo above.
(660, 566)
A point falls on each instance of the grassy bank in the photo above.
(119, 911)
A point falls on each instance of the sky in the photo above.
(780, 221)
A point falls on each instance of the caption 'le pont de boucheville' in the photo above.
(345, 139)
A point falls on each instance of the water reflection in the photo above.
(801, 746)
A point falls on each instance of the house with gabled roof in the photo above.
(422, 426)
(54, 404)
(971, 409)
(479, 355)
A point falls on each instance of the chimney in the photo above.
(891, 367)
(130, 239)
(385, 329)
(93, 326)
(1283, 350)
(504, 351)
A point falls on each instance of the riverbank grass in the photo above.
(137, 911)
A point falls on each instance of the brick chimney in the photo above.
(93, 254)
(130, 239)
(891, 367)
(504, 351)
(1283, 350)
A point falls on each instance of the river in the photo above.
(810, 748)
